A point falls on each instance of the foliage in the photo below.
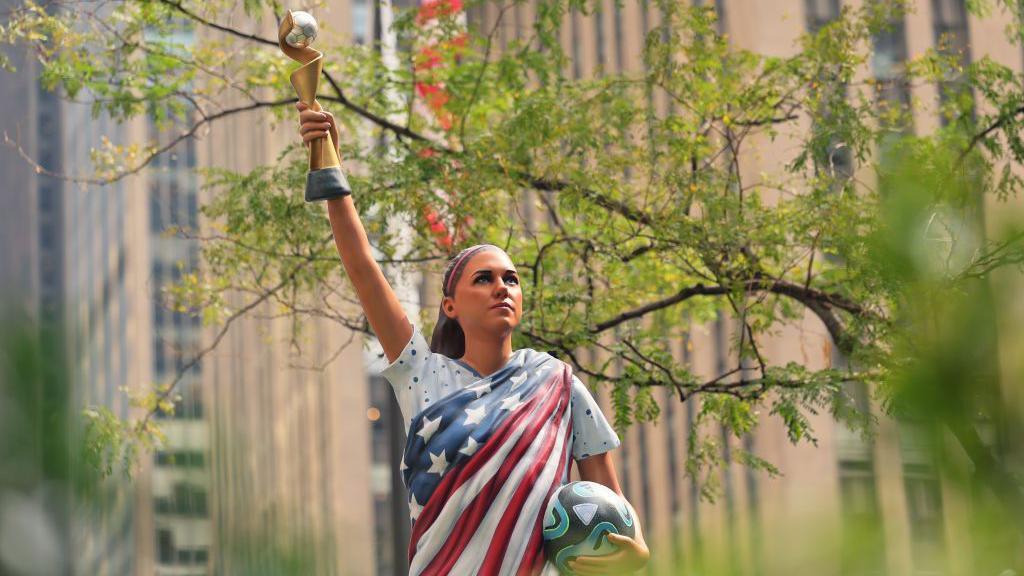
(660, 217)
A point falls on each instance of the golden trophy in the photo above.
(297, 31)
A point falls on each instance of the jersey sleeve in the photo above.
(408, 374)
(592, 434)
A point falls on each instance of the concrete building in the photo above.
(259, 458)
(68, 259)
(289, 437)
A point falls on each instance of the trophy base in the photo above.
(326, 183)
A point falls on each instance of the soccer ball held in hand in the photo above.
(577, 519)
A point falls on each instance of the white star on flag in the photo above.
(415, 508)
(511, 403)
(438, 463)
(480, 389)
(517, 380)
(429, 427)
(475, 415)
(470, 448)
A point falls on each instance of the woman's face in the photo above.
(488, 280)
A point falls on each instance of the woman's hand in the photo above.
(313, 125)
(631, 556)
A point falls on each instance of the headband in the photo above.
(467, 253)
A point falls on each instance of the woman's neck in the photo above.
(487, 356)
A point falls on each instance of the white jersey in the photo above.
(420, 377)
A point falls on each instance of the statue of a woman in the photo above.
(492, 431)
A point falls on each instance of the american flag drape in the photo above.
(480, 466)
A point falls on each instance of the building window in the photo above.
(924, 499)
(820, 13)
(837, 160)
(924, 508)
(620, 61)
(181, 459)
(863, 542)
(156, 218)
(599, 33)
(165, 546)
(187, 499)
(360, 21)
(949, 18)
(574, 25)
(719, 12)
(892, 88)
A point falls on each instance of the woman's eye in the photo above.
(511, 279)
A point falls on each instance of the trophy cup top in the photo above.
(297, 24)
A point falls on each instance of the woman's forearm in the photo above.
(601, 469)
(383, 311)
(349, 235)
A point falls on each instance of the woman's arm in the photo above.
(383, 310)
(634, 553)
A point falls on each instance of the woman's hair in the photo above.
(448, 337)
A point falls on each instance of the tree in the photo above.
(653, 221)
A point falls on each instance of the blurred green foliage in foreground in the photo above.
(956, 324)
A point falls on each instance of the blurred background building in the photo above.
(70, 254)
(262, 451)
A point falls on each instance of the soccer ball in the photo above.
(303, 30)
(577, 519)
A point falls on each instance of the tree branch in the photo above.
(340, 97)
(977, 138)
(166, 392)
(547, 185)
(207, 118)
(210, 24)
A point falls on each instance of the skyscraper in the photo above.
(67, 261)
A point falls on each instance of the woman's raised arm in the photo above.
(383, 310)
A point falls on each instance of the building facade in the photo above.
(68, 260)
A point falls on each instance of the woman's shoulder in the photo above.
(534, 357)
(533, 354)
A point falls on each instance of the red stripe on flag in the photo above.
(456, 477)
(502, 535)
(469, 520)
(533, 562)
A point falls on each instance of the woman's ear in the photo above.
(449, 307)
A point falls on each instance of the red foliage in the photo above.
(435, 96)
(433, 9)
(429, 57)
(438, 228)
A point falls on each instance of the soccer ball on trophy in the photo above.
(304, 29)
(577, 520)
